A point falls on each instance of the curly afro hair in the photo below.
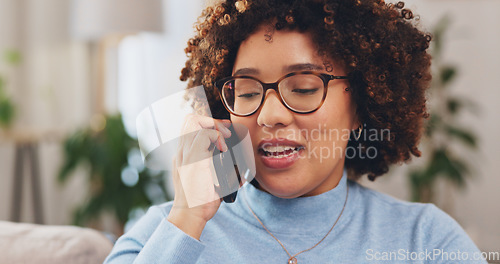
(384, 53)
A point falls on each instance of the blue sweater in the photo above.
(374, 228)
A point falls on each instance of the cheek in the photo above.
(248, 122)
(338, 110)
(331, 123)
(239, 120)
(331, 117)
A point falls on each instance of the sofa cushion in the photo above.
(30, 243)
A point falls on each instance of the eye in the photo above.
(305, 91)
(247, 88)
(248, 95)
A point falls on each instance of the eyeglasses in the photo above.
(302, 92)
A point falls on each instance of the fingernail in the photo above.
(223, 146)
(225, 130)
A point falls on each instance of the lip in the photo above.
(278, 142)
(283, 162)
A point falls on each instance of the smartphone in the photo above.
(234, 166)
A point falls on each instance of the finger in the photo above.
(207, 137)
(195, 122)
(226, 122)
(223, 128)
(192, 125)
(222, 144)
(201, 145)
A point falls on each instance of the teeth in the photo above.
(275, 154)
(280, 151)
(277, 148)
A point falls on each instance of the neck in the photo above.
(306, 215)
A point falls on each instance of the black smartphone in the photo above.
(231, 164)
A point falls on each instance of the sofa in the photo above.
(22, 243)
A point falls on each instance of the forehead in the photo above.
(274, 49)
(271, 52)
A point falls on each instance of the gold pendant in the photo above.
(292, 260)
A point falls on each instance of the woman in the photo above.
(329, 90)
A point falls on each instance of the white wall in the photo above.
(50, 89)
(472, 45)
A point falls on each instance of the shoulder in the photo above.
(423, 214)
(161, 209)
(147, 223)
(153, 239)
(424, 224)
(158, 212)
(375, 202)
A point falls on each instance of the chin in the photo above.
(280, 188)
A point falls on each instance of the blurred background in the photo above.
(74, 75)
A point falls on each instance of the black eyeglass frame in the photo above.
(326, 78)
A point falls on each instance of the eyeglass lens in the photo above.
(300, 93)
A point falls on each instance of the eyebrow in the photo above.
(246, 71)
(286, 69)
(303, 67)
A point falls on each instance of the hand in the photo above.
(196, 200)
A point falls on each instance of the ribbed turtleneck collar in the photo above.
(303, 215)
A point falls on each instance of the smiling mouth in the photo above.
(279, 151)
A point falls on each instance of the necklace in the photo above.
(292, 259)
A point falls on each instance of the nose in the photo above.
(273, 113)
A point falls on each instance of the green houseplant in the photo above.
(442, 128)
(118, 182)
(7, 109)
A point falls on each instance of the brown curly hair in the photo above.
(383, 51)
